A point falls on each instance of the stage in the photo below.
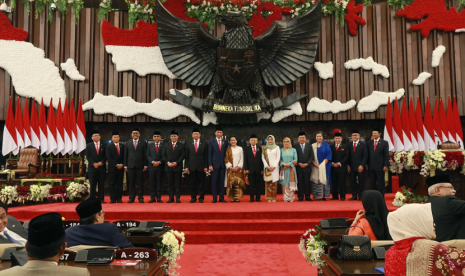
(204, 223)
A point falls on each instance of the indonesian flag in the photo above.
(9, 132)
(437, 124)
(51, 130)
(59, 130)
(67, 131)
(43, 129)
(19, 129)
(35, 132)
(430, 138)
(388, 129)
(420, 127)
(458, 124)
(413, 126)
(27, 125)
(443, 122)
(397, 129)
(451, 122)
(72, 126)
(406, 128)
(81, 130)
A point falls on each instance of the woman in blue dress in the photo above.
(321, 170)
(288, 174)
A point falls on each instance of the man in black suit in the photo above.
(11, 230)
(115, 157)
(155, 159)
(378, 160)
(96, 158)
(135, 163)
(339, 167)
(253, 167)
(174, 154)
(358, 158)
(216, 151)
(196, 165)
(303, 165)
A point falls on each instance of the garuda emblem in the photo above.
(237, 66)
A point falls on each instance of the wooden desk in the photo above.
(336, 267)
(149, 241)
(330, 235)
(146, 267)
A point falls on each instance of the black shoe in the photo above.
(119, 201)
(251, 200)
(112, 201)
(131, 201)
(159, 201)
(102, 201)
(214, 201)
(200, 200)
(152, 201)
(170, 201)
(141, 200)
(334, 198)
(301, 199)
(178, 201)
(224, 201)
(354, 198)
(258, 200)
(308, 199)
(193, 201)
(343, 198)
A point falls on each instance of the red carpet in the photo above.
(244, 222)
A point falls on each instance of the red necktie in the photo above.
(96, 146)
(219, 144)
(173, 146)
(337, 146)
(375, 144)
(135, 144)
(254, 152)
(117, 148)
(156, 144)
(196, 147)
(355, 145)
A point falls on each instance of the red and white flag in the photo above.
(458, 124)
(81, 130)
(388, 129)
(413, 126)
(73, 127)
(43, 129)
(406, 127)
(35, 132)
(26, 126)
(19, 129)
(51, 130)
(430, 138)
(59, 130)
(397, 127)
(420, 127)
(452, 134)
(437, 124)
(67, 130)
(9, 132)
(443, 120)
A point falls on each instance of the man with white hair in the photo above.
(448, 211)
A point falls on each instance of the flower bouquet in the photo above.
(58, 193)
(45, 175)
(77, 190)
(8, 194)
(39, 192)
(172, 247)
(312, 247)
(405, 196)
(23, 193)
(433, 160)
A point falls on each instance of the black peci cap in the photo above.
(45, 229)
(89, 207)
(443, 178)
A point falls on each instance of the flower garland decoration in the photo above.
(139, 11)
(61, 6)
(312, 247)
(172, 247)
(257, 21)
(405, 196)
(103, 9)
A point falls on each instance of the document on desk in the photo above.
(380, 269)
(125, 262)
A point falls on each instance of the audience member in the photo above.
(15, 232)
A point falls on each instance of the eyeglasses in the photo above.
(447, 187)
(102, 213)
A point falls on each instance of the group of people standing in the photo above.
(302, 167)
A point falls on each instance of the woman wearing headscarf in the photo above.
(271, 158)
(288, 174)
(373, 220)
(414, 253)
(234, 160)
(321, 171)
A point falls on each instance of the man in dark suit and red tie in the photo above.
(135, 163)
(115, 157)
(253, 167)
(358, 159)
(174, 154)
(304, 168)
(196, 165)
(216, 151)
(378, 160)
(339, 167)
(156, 167)
(96, 158)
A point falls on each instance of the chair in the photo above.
(28, 162)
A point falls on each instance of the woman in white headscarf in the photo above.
(414, 253)
(271, 157)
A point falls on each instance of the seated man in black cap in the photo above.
(92, 229)
(196, 165)
(448, 211)
(155, 164)
(135, 163)
(253, 167)
(45, 246)
(174, 154)
(115, 157)
(15, 232)
(95, 154)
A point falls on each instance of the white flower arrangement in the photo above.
(312, 247)
(399, 199)
(39, 192)
(172, 247)
(433, 160)
(9, 194)
(77, 190)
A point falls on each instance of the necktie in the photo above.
(254, 152)
(156, 147)
(173, 145)
(219, 144)
(302, 146)
(355, 145)
(337, 146)
(10, 238)
(375, 144)
(96, 147)
(135, 144)
(117, 148)
(196, 147)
